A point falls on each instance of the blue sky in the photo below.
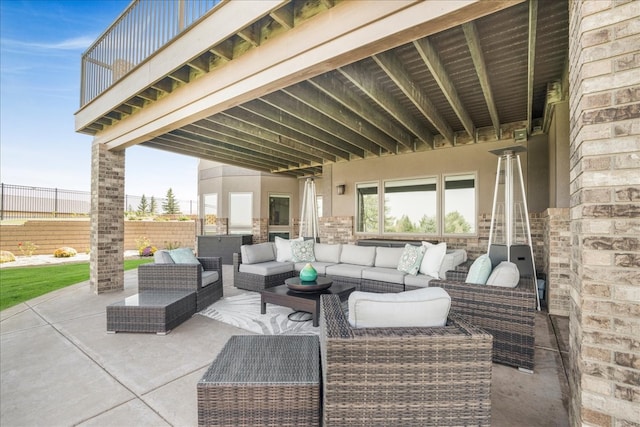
(41, 42)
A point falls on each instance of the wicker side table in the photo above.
(267, 380)
(151, 311)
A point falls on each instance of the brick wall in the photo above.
(604, 101)
(49, 235)
(556, 260)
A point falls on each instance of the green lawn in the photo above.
(21, 284)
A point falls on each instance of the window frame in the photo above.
(230, 226)
(357, 214)
(436, 181)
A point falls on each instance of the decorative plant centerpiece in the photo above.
(65, 252)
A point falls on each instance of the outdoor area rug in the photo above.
(243, 311)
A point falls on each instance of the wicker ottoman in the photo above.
(151, 311)
(266, 380)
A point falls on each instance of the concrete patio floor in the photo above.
(59, 367)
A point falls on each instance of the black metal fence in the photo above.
(22, 202)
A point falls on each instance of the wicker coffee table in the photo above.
(303, 301)
(262, 380)
(151, 311)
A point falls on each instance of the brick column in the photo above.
(107, 219)
(604, 101)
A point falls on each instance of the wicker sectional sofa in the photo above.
(368, 268)
(506, 313)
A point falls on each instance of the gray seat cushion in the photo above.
(388, 257)
(254, 254)
(320, 267)
(209, 277)
(419, 280)
(358, 255)
(389, 275)
(267, 268)
(345, 270)
(327, 253)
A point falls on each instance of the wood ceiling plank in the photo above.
(286, 124)
(430, 56)
(333, 87)
(304, 113)
(311, 97)
(361, 78)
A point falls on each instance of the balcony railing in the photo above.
(141, 30)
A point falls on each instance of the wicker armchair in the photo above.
(183, 277)
(506, 313)
(403, 376)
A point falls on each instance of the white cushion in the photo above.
(162, 257)
(261, 252)
(388, 257)
(268, 268)
(418, 308)
(358, 255)
(283, 249)
(480, 270)
(327, 253)
(506, 274)
(411, 259)
(433, 258)
(451, 260)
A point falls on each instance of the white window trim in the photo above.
(443, 207)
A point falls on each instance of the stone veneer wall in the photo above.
(604, 102)
(556, 261)
(51, 234)
(107, 219)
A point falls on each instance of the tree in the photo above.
(143, 206)
(170, 205)
(427, 224)
(153, 206)
(454, 222)
(404, 225)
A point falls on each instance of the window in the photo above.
(411, 206)
(367, 207)
(210, 213)
(240, 213)
(279, 210)
(460, 207)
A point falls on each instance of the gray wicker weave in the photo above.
(262, 380)
(403, 376)
(506, 313)
(151, 311)
(256, 282)
(160, 277)
(368, 285)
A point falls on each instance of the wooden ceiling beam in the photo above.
(230, 145)
(430, 56)
(284, 16)
(255, 121)
(533, 27)
(280, 122)
(330, 85)
(473, 42)
(234, 136)
(361, 78)
(326, 106)
(303, 112)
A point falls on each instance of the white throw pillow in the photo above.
(506, 274)
(480, 270)
(433, 258)
(418, 308)
(283, 249)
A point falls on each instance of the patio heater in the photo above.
(309, 216)
(510, 232)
